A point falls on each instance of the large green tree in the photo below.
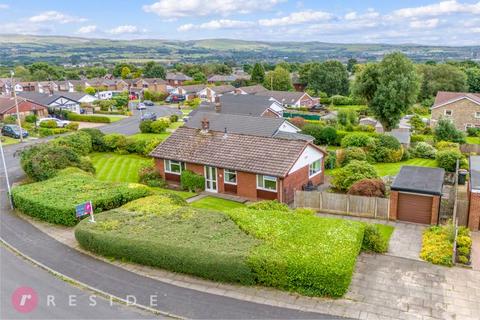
(390, 88)
(278, 79)
(258, 73)
(330, 77)
(440, 77)
(473, 79)
(153, 70)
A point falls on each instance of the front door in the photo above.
(211, 179)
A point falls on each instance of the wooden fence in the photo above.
(343, 204)
(470, 147)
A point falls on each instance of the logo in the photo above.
(24, 299)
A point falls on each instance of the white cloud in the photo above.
(55, 16)
(175, 9)
(4, 6)
(296, 18)
(218, 24)
(124, 29)
(87, 29)
(424, 24)
(351, 16)
(438, 9)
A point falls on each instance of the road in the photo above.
(109, 278)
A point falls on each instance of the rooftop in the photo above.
(419, 180)
(444, 97)
(284, 97)
(251, 105)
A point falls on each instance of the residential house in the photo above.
(151, 84)
(64, 86)
(190, 92)
(80, 97)
(25, 107)
(462, 108)
(176, 79)
(210, 93)
(52, 101)
(250, 89)
(26, 86)
(5, 86)
(241, 75)
(474, 194)
(248, 166)
(291, 99)
(221, 79)
(249, 105)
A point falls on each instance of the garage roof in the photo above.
(475, 172)
(419, 180)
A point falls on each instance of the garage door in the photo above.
(414, 208)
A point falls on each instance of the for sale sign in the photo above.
(84, 209)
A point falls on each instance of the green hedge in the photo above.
(191, 181)
(160, 232)
(86, 118)
(54, 200)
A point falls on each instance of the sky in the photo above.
(448, 22)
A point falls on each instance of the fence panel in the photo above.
(343, 204)
(470, 147)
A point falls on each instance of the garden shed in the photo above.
(416, 193)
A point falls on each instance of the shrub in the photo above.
(54, 200)
(322, 135)
(298, 122)
(146, 126)
(473, 132)
(445, 130)
(114, 142)
(447, 159)
(191, 181)
(269, 205)
(423, 150)
(445, 145)
(31, 118)
(331, 160)
(352, 153)
(43, 161)
(173, 118)
(373, 240)
(151, 177)
(45, 132)
(357, 140)
(10, 120)
(386, 149)
(80, 141)
(368, 188)
(86, 118)
(355, 171)
(48, 124)
(136, 146)
(97, 138)
(417, 138)
(437, 247)
(72, 126)
(160, 125)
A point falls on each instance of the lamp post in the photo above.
(6, 174)
(19, 122)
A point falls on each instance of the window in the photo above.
(477, 114)
(448, 113)
(267, 183)
(174, 167)
(230, 176)
(315, 168)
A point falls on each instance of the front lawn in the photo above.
(473, 140)
(348, 107)
(150, 136)
(218, 204)
(7, 140)
(115, 167)
(392, 169)
(181, 194)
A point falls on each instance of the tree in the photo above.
(199, 76)
(258, 73)
(117, 70)
(153, 70)
(22, 73)
(390, 88)
(126, 73)
(90, 91)
(278, 79)
(473, 79)
(330, 77)
(440, 77)
(446, 131)
(351, 64)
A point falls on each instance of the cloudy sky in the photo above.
(368, 21)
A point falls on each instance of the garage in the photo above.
(416, 193)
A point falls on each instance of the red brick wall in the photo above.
(474, 212)
(393, 205)
(246, 185)
(297, 179)
(197, 168)
(25, 108)
(160, 165)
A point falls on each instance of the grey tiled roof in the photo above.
(193, 88)
(245, 104)
(223, 89)
(253, 89)
(419, 180)
(284, 97)
(222, 78)
(293, 136)
(177, 76)
(260, 155)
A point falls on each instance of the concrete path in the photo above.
(476, 251)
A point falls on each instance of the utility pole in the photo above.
(19, 121)
(7, 180)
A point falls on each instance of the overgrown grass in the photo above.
(118, 168)
(391, 169)
(218, 204)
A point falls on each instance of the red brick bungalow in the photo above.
(25, 107)
(248, 166)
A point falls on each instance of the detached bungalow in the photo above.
(176, 79)
(248, 166)
(53, 101)
(25, 107)
(224, 79)
(190, 92)
(290, 98)
(210, 93)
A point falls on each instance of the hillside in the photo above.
(57, 49)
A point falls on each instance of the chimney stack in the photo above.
(205, 125)
(218, 105)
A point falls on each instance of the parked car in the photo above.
(149, 116)
(12, 130)
(141, 106)
(317, 108)
(148, 103)
(60, 123)
(174, 98)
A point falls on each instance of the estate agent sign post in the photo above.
(84, 209)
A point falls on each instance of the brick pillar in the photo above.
(393, 205)
(474, 212)
(435, 208)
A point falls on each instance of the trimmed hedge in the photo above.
(191, 181)
(54, 200)
(86, 118)
(159, 231)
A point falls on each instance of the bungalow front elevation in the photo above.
(248, 166)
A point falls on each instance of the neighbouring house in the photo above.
(291, 99)
(249, 105)
(248, 166)
(416, 193)
(474, 194)
(151, 84)
(210, 93)
(222, 79)
(462, 108)
(176, 79)
(25, 107)
(241, 75)
(52, 101)
(244, 124)
(402, 126)
(25, 86)
(64, 86)
(250, 89)
(190, 92)
(80, 97)
(402, 136)
(5, 86)
(297, 84)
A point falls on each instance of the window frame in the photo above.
(310, 174)
(448, 111)
(477, 115)
(229, 171)
(269, 178)
(168, 166)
